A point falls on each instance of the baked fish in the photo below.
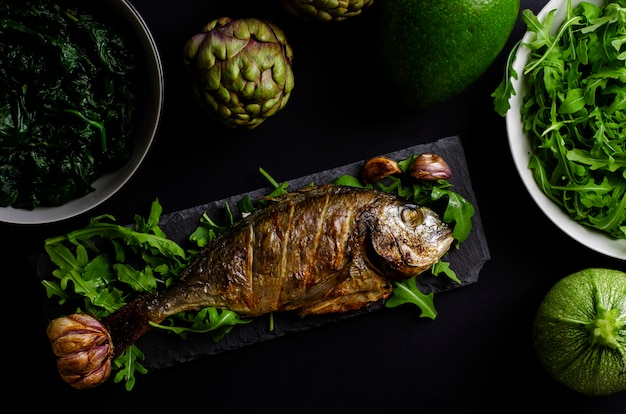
(324, 249)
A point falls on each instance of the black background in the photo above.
(476, 356)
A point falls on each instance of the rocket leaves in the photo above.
(458, 211)
(406, 291)
(99, 270)
(575, 111)
(127, 364)
(217, 322)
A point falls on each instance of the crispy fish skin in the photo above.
(319, 250)
(293, 252)
(314, 251)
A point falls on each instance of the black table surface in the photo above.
(476, 356)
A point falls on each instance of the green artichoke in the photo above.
(326, 10)
(241, 70)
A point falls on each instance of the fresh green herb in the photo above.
(406, 291)
(505, 90)
(100, 274)
(208, 229)
(127, 364)
(458, 211)
(575, 112)
(67, 106)
(279, 189)
(444, 267)
(218, 322)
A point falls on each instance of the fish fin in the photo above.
(321, 290)
(362, 287)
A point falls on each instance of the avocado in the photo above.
(431, 50)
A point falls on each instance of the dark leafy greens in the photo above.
(67, 101)
(575, 111)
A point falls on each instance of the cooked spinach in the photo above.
(67, 103)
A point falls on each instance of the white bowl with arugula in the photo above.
(85, 98)
(570, 151)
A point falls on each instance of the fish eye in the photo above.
(411, 215)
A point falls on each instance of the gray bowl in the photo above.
(149, 108)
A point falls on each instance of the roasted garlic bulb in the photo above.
(83, 349)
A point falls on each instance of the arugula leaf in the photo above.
(206, 231)
(53, 288)
(458, 210)
(216, 321)
(127, 364)
(139, 280)
(505, 89)
(406, 291)
(350, 181)
(444, 267)
(245, 205)
(279, 189)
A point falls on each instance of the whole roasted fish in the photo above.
(318, 250)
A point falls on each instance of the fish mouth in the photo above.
(444, 241)
(442, 237)
(441, 243)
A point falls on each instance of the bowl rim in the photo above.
(520, 150)
(108, 184)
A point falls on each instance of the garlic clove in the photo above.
(429, 167)
(377, 168)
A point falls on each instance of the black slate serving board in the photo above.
(163, 350)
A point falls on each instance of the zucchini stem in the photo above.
(605, 330)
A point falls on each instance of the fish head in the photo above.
(408, 239)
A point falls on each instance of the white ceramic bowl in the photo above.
(520, 149)
(148, 117)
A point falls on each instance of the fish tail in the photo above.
(128, 324)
